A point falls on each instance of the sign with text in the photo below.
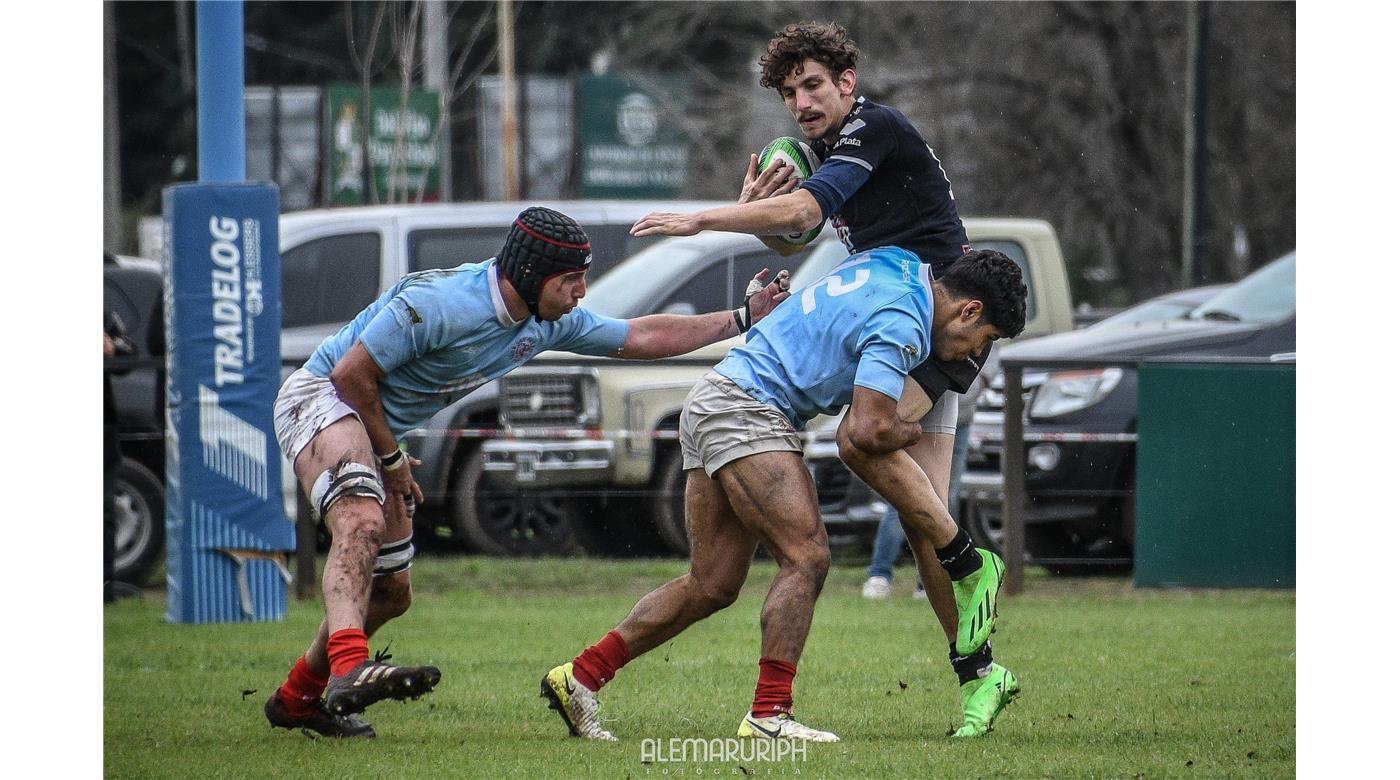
(630, 147)
(225, 527)
(389, 142)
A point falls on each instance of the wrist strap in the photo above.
(392, 461)
(741, 318)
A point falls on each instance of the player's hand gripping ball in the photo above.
(800, 157)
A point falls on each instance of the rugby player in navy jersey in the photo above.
(426, 342)
(850, 338)
(880, 184)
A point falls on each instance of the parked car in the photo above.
(132, 292)
(1080, 511)
(608, 428)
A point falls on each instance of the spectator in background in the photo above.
(115, 343)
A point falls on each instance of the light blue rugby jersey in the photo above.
(439, 334)
(866, 323)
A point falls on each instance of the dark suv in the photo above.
(1081, 424)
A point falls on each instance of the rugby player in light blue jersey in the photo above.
(880, 184)
(426, 342)
(851, 337)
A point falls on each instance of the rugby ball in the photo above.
(800, 157)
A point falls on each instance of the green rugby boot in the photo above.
(976, 597)
(983, 700)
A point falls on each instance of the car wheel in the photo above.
(139, 520)
(984, 527)
(502, 521)
(668, 502)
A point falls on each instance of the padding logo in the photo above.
(233, 447)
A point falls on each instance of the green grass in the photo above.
(1118, 683)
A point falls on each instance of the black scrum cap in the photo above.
(542, 243)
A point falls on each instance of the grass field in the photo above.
(1118, 683)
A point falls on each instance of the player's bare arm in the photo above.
(872, 426)
(667, 335)
(794, 212)
(356, 378)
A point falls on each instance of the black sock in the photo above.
(960, 557)
(971, 667)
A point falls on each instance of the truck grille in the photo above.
(542, 400)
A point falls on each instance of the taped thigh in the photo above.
(943, 417)
(394, 557)
(348, 479)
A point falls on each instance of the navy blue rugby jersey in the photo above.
(881, 185)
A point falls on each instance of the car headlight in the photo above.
(1069, 391)
(590, 404)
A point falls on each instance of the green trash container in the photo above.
(1216, 502)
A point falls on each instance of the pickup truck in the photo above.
(573, 425)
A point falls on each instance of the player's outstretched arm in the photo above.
(667, 335)
(794, 212)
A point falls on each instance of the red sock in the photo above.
(301, 690)
(599, 663)
(347, 648)
(774, 692)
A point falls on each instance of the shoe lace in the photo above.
(380, 656)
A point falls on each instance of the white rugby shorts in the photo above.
(306, 405)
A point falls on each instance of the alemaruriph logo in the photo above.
(678, 757)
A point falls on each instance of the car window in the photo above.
(612, 244)
(1151, 311)
(1267, 295)
(720, 284)
(450, 247)
(329, 280)
(817, 262)
(634, 286)
(1017, 253)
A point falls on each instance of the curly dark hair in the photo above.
(994, 279)
(826, 43)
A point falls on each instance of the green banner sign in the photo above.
(392, 146)
(629, 145)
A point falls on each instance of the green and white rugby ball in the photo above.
(800, 157)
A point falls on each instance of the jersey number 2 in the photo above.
(834, 287)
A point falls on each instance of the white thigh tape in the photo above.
(394, 557)
(350, 479)
(943, 417)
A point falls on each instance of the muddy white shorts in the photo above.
(306, 405)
